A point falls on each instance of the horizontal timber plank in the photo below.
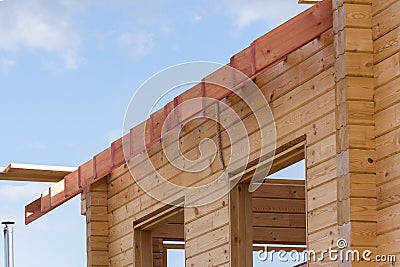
(289, 236)
(387, 70)
(322, 217)
(287, 191)
(387, 45)
(387, 119)
(386, 21)
(322, 195)
(215, 257)
(387, 169)
(387, 95)
(380, 5)
(388, 194)
(262, 205)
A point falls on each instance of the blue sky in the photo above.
(68, 69)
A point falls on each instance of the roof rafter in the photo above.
(34, 173)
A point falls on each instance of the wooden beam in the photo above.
(33, 211)
(277, 235)
(169, 231)
(281, 191)
(34, 173)
(160, 218)
(263, 232)
(292, 206)
(241, 237)
(285, 155)
(143, 255)
(285, 220)
(256, 247)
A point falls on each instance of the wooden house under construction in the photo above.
(331, 76)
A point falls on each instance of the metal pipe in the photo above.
(8, 243)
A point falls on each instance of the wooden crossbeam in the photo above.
(261, 234)
(34, 173)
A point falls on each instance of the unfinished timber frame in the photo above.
(332, 79)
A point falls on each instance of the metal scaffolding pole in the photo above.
(8, 243)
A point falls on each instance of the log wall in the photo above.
(341, 92)
(302, 97)
(386, 36)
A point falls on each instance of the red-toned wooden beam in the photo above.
(263, 53)
(33, 211)
(278, 43)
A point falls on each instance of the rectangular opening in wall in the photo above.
(161, 239)
(279, 213)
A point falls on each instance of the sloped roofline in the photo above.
(263, 53)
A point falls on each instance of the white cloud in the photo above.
(197, 18)
(138, 44)
(245, 12)
(7, 64)
(40, 25)
(72, 60)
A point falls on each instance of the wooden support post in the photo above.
(241, 230)
(355, 125)
(143, 255)
(95, 199)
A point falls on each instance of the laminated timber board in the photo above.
(34, 173)
(264, 53)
